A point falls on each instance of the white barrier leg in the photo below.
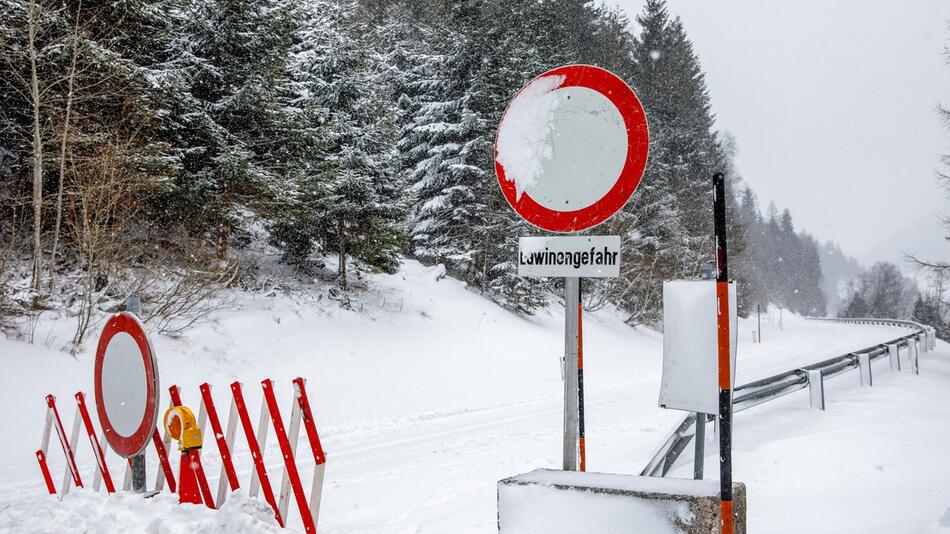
(262, 441)
(864, 364)
(293, 435)
(97, 478)
(127, 482)
(73, 442)
(816, 389)
(316, 490)
(229, 439)
(202, 417)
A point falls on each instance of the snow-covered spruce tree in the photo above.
(319, 32)
(754, 290)
(500, 61)
(458, 216)
(438, 160)
(671, 214)
(230, 120)
(363, 209)
(927, 311)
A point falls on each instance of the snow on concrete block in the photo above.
(570, 502)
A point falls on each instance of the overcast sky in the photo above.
(832, 104)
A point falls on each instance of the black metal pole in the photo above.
(724, 357)
(138, 473)
(758, 313)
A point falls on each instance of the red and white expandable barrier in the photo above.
(224, 439)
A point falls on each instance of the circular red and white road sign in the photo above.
(126, 377)
(571, 148)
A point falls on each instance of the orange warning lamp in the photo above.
(181, 425)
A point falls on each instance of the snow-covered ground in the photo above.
(428, 394)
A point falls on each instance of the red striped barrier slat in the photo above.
(175, 394)
(94, 442)
(61, 434)
(288, 454)
(195, 460)
(74, 446)
(309, 423)
(163, 445)
(47, 477)
(255, 450)
(163, 460)
(219, 437)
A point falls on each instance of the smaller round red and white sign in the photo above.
(126, 382)
(571, 148)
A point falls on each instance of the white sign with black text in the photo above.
(581, 256)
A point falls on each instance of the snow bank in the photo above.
(524, 134)
(428, 393)
(86, 511)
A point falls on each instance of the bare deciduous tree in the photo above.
(104, 207)
(64, 138)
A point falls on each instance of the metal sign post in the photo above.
(136, 463)
(758, 315)
(571, 294)
(725, 380)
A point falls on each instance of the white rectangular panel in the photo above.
(569, 256)
(690, 345)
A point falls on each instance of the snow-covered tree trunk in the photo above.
(37, 146)
(71, 79)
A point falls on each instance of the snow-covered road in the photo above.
(423, 405)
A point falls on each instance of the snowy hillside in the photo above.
(428, 393)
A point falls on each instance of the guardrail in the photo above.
(921, 339)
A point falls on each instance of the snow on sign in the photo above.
(126, 381)
(571, 148)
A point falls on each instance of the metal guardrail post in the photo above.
(893, 353)
(923, 341)
(864, 363)
(912, 355)
(816, 389)
(699, 446)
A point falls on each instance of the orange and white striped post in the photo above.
(581, 443)
(724, 353)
